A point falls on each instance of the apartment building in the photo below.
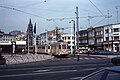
(49, 37)
(112, 37)
(83, 40)
(105, 37)
(99, 37)
(69, 38)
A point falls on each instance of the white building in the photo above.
(69, 38)
(112, 37)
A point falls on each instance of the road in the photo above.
(56, 69)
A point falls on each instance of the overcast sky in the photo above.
(15, 20)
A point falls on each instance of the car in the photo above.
(115, 60)
(112, 73)
(101, 52)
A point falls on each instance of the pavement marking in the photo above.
(41, 70)
(85, 58)
(30, 74)
(76, 78)
(92, 58)
(88, 69)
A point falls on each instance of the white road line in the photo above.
(76, 78)
(41, 70)
(30, 74)
(87, 58)
(88, 69)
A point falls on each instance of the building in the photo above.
(69, 38)
(112, 37)
(83, 40)
(91, 38)
(50, 37)
(7, 41)
(105, 37)
(99, 37)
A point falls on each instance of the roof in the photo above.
(115, 69)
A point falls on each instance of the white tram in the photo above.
(44, 49)
(60, 49)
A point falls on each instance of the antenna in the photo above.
(117, 12)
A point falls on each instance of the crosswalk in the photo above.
(84, 58)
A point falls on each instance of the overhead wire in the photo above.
(32, 4)
(26, 13)
(22, 11)
(96, 7)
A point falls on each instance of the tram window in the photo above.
(43, 47)
(63, 46)
(48, 47)
(59, 46)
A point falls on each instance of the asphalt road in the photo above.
(56, 69)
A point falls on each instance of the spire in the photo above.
(30, 21)
(35, 28)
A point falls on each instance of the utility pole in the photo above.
(108, 31)
(117, 13)
(77, 24)
(28, 44)
(74, 35)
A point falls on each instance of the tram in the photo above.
(59, 48)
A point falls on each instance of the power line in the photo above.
(32, 4)
(27, 13)
(96, 7)
(22, 11)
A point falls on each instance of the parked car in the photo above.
(112, 73)
(101, 52)
(116, 60)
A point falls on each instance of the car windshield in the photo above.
(104, 75)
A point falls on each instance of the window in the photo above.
(69, 42)
(107, 39)
(116, 38)
(59, 46)
(63, 38)
(68, 37)
(116, 29)
(106, 31)
(113, 76)
(63, 46)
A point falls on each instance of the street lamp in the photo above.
(74, 34)
(77, 25)
(13, 47)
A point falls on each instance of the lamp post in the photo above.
(13, 47)
(74, 34)
(77, 24)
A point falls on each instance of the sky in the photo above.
(41, 10)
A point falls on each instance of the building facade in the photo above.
(105, 37)
(112, 37)
(7, 41)
(69, 38)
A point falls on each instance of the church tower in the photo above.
(30, 33)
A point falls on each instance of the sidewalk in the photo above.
(20, 58)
